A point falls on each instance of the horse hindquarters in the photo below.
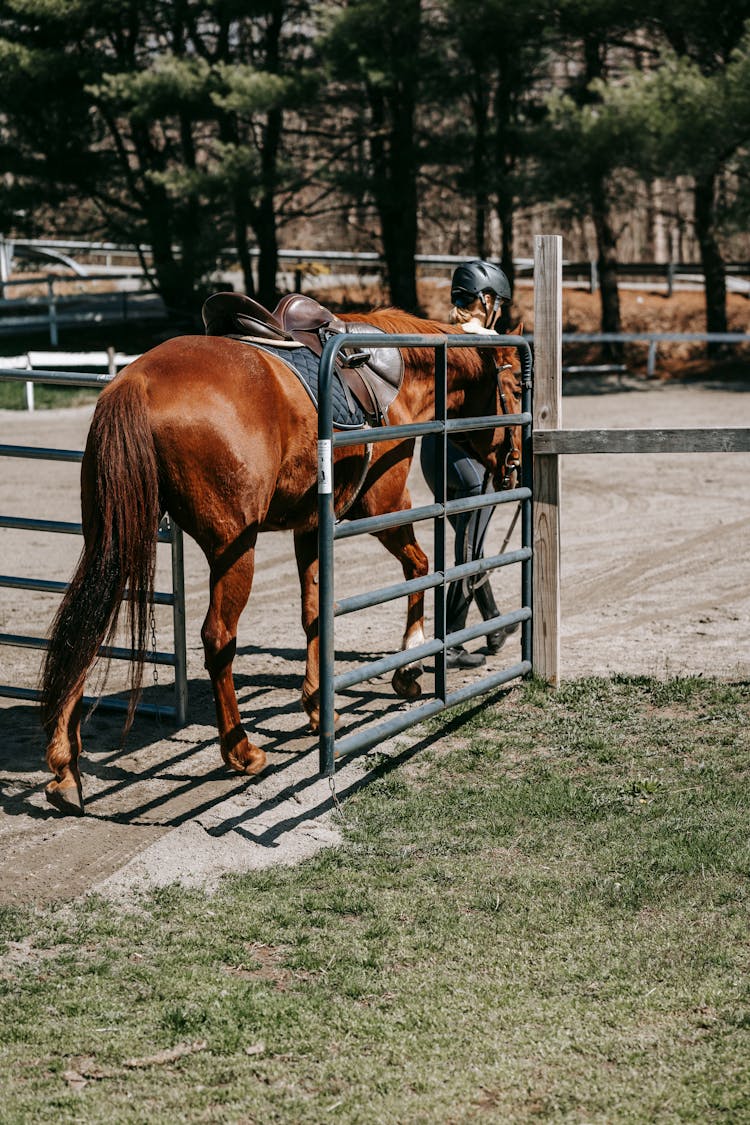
(120, 511)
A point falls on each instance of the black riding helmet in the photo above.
(474, 278)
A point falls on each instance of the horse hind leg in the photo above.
(306, 551)
(231, 583)
(402, 544)
(65, 792)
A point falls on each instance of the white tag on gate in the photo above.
(325, 467)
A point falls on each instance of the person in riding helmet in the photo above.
(479, 291)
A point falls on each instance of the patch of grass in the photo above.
(13, 396)
(546, 919)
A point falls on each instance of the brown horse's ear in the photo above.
(518, 330)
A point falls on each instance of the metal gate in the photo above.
(329, 531)
(168, 533)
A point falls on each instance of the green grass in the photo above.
(13, 396)
(541, 916)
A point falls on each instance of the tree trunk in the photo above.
(711, 259)
(265, 218)
(606, 244)
(505, 215)
(268, 252)
(266, 222)
(395, 189)
(398, 214)
(243, 247)
(479, 168)
(176, 284)
(395, 157)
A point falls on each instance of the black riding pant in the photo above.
(464, 478)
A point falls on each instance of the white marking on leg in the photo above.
(414, 639)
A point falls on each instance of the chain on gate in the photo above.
(154, 653)
(335, 798)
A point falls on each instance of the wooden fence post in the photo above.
(547, 414)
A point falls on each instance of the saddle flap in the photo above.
(383, 373)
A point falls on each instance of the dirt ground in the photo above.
(655, 581)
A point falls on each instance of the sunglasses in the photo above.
(462, 299)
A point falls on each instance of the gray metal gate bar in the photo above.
(111, 652)
(110, 704)
(50, 586)
(439, 525)
(428, 512)
(55, 378)
(387, 594)
(61, 527)
(329, 531)
(178, 625)
(29, 452)
(386, 664)
(419, 429)
(407, 656)
(363, 740)
(429, 582)
(387, 433)
(393, 519)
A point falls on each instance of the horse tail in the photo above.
(121, 512)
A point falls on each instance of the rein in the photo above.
(512, 466)
(512, 461)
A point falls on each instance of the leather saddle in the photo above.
(373, 377)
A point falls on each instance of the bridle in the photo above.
(510, 453)
(512, 462)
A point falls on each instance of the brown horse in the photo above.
(223, 437)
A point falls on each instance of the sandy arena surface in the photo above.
(655, 580)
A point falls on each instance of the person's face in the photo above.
(468, 312)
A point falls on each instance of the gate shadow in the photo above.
(164, 776)
(395, 759)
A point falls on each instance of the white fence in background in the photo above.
(110, 360)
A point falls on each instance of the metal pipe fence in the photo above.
(169, 532)
(586, 270)
(91, 309)
(653, 340)
(329, 531)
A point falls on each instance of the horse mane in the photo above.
(394, 320)
(397, 322)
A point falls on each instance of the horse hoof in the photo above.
(315, 721)
(311, 707)
(246, 759)
(67, 800)
(406, 683)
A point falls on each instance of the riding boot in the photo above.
(457, 605)
(457, 602)
(488, 608)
